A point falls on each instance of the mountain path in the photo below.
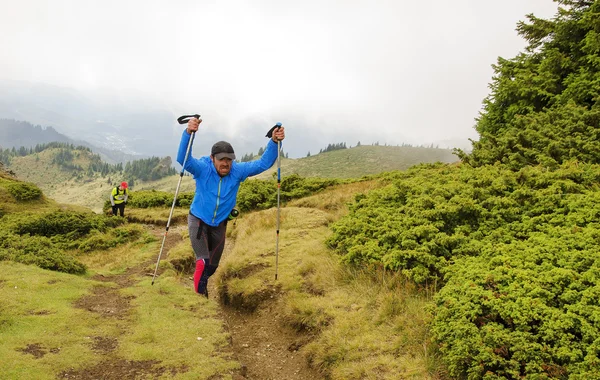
(110, 304)
(265, 348)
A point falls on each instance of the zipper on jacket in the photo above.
(218, 199)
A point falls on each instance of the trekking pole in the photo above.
(181, 120)
(278, 207)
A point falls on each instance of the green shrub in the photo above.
(97, 242)
(525, 309)
(154, 198)
(44, 239)
(261, 194)
(68, 223)
(432, 214)
(100, 241)
(252, 195)
(515, 253)
(256, 195)
(37, 250)
(55, 223)
(24, 191)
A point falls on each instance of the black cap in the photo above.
(221, 150)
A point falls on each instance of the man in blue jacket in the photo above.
(218, 178)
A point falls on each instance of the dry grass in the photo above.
(335, 200)
(157, 215)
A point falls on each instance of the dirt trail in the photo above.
(109, 303)
(266, 349)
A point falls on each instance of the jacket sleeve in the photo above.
(191, 164)
(126, 196)
(112, 197)
(263, 163)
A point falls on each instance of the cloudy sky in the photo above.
(392, 71)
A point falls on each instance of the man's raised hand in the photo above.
(193, 124)
(278, 134)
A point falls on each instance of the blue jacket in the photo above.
(215, 196)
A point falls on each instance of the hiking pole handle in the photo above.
(270, 133)
(185, 118)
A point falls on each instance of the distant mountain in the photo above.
(16, 134)
(117, 122)
(106, 119)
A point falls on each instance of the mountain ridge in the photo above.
(18, 133)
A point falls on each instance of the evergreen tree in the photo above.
(332, 147)
(544, 105)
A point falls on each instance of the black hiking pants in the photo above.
(120, 208)
(207, 242)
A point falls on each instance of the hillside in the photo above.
(72, 175)
(361, 160)
(62, 184)
(353, 162)
(92, 190)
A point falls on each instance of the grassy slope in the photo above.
(9, 205)
(359, 161)
(59, 184)
(47, 333)
(39, 310)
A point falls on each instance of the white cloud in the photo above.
(380, 70)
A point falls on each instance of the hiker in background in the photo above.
(118, 198)
(218, 178)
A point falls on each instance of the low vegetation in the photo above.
(352, 323)
(51, 236)
(514, 255)
(253, 194)
(77, 303)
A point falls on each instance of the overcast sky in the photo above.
(372, 70)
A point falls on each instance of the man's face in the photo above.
(223, 166)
